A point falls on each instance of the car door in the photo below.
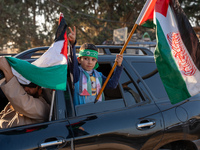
(48, 135)
(181, 120)
(130, 121)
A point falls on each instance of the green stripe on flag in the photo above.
(174, 84)
(53, 77)
(149, 24)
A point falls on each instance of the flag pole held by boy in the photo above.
(149, 4)
(177, 54)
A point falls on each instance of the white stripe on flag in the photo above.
(51, 57)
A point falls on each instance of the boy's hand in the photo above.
(119, 59)
(72, 35)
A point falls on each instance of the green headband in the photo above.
(89, 53)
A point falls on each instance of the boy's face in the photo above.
(87, 63)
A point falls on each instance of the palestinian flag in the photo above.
(146, 15)
(177, 54)
(50, 70)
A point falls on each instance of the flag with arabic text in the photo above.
(177, 54)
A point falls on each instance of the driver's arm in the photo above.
(5, 67)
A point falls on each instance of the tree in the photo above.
(192, 10)
(95, 19)
(19, 27)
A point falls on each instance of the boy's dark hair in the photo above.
(88, 46)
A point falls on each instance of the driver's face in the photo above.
(32, 91)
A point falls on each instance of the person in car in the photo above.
(25, 106)
(87, 81)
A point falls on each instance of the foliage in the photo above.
(95, 20)
(192, 10)
(19, 29)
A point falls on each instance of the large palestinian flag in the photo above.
(177, 54)
(50, 70)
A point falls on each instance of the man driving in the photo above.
(26, 105)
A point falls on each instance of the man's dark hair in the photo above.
(88, 46)
(31, 85)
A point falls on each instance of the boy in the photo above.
(87, 81)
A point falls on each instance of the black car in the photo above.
(137, 115)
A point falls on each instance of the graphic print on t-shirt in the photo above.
(93, 85)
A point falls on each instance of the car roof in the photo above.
(104, 50)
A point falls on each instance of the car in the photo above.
(137, 115)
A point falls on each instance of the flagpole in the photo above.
(115, 64)
(149, 5)
(52, 104)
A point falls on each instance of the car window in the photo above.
(113, 99)
(109, 93)
(151, 78)
(126, 94)
(130, 90)
(46, 94)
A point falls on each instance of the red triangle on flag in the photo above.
(64, 50)
(162, 7)
(147, 12)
